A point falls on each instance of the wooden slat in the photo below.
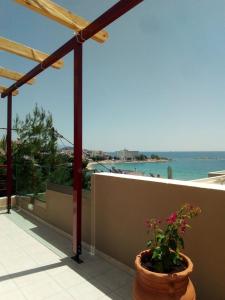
(13, 75)
(27, 52)
(3, 89)
(62, 16)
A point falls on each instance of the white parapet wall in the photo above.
(216, 180)
(121, 204)
(115, 211)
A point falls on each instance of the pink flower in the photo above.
(159, 221)
(172, 218)
(182, 229)
(152, 223)
(147, 224)
(183, 226)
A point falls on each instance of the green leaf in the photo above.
(149, 243)
(172, 244)
(157, 253)
(160, 238)
(181, 242)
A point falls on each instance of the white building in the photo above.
(127, 155)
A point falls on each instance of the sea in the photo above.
(185, 165)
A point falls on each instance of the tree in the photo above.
(155, 156)
(37, 137)
(141, 157)
(35, 157)
(35, 151)
(3, 150)
(63, 173)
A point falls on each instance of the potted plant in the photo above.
(162, 271)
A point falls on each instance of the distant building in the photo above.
(94, 153)
(127, 155)
(90, 154)
(67, 151)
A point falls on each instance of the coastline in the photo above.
(91, 165)
(185, 165)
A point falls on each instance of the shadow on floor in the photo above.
(98, 272)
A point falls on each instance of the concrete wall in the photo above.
(114, 215)
(3, 202)
(123, 202)
(58, 210)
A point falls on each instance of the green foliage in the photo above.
(35, 157)
(3, 145)
(63, 173)
(167, 241)
(141, 157)
(155, 156)
(3, 152)
(98, 158)
(37, 137)
(35, 151)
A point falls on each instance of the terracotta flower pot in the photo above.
(160, 286)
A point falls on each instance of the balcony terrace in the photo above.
(113, 216)
(35, 264)
(35, 251)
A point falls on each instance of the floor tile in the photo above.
(61, 296)
(41, 290)
(13, 295)
(36, 264)
(7, 286)
(30, 279)
(86, 291)
(114, 279)
(125, 292)
(68, 278)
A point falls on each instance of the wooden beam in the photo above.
(61, 15)
(25, 51)
(13, 75)
(3, 89)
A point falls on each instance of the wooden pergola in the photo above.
(85, 30)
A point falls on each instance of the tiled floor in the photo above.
(35, 264)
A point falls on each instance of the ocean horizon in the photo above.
(186, 165)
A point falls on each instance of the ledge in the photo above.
(164, 181)
(64, 189)
(68, 190)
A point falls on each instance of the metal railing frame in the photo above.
(75, 45)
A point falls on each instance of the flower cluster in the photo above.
(152, 223)
(167, 238)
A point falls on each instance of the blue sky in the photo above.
(157, 84)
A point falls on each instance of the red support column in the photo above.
(9, 152)
(77, 165)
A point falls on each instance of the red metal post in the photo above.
(77, 165)
(117, 10)
(9, 152)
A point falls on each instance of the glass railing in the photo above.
(3, 181)
(32, 180)
(63, 175)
